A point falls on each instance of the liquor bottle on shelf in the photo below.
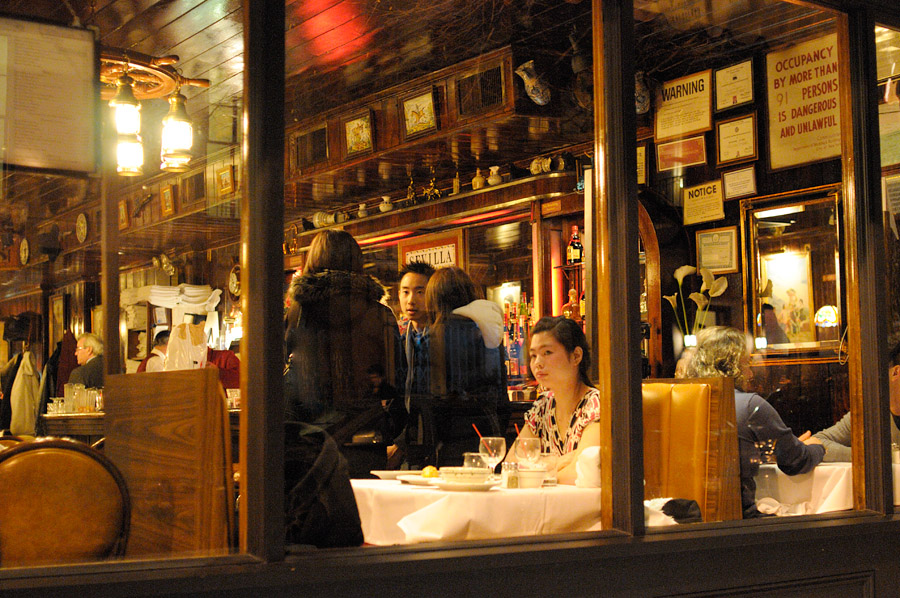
(522, 349)
(574, 249)
(581, 306)
(572, 309)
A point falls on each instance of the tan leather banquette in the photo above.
(690, 444)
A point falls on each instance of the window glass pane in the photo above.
(739, 155)
(158, 480)
(449, 134)
(887, 48)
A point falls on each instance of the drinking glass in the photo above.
(492, 449)
(474, 460)
(550, 461)
(528, 450)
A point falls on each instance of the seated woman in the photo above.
(337, 329)
(722, 351)
(566, 415)
(459, 378)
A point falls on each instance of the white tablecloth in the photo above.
(827, 488)
(396, 513)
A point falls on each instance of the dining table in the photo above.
(825, 489)
(393, 512)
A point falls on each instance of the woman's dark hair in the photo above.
(448, 288)
(569, 334)
(334, 250)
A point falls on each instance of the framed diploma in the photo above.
(717, 249)
(739, 183)
(684, 107)
(734, 85)
(736, 139)
(681, 153)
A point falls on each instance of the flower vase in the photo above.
(478, 180)
(362, 212)
(385, 205)
(494, 178)
(535, 87)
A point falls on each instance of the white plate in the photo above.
(393, 474)
(416, 480)
(465, 486)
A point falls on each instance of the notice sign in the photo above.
(684, 106)
(804, 106)
(703, 203)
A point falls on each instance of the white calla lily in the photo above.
(700, 299)
(718, 286)
(683, 271)
(707, 279)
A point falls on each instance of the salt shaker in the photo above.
(509, 475)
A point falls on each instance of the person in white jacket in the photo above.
(25, 396)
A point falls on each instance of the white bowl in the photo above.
(465, 475)
(531, 478)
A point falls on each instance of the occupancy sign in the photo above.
(804, 103)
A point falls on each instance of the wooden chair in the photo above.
(60, 502)
(690, 444)
(168, 433)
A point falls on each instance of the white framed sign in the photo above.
(717, 249)
(803, 89)
(739, 183)
(684, 107)
(734, 85)
(703, 203)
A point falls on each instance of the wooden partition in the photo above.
(167, 432)
(690, 444)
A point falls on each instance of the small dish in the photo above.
(464, 486)
(393, 474)
(416, 480)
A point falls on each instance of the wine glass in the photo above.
(492, 449)
(528, 450)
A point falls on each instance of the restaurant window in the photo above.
(98, 461)
(888, 57)
(740, 130)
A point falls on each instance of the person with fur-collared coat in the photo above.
(337, 328)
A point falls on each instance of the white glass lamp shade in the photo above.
(177, 136)
(127, 108)
(827, 317)
(129, 155)
(690, 340)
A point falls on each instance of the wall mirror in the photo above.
(794, 301)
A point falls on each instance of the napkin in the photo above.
(587, 468)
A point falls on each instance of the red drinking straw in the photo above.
(491, 452)
(517, 429)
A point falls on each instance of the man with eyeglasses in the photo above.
(89, 354)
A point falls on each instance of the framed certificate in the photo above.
(717, 249)
(642, 164)
(684, 152)
(734, 85)
(736, 139)
(739, 183)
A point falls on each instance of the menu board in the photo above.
(804, 103)
(48, 85)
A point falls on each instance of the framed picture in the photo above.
(420, 115)
(739, 183)
(439, 250)
(358, 133)
(791, 293)
(59, 311)
(225, 180)
(681, 153)
(734, 85)
(684, 107)
(736, 139)
(642, 164)
(167, 200)
(124, 217)
(717, 249)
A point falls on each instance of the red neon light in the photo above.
(479, 217)
(387, 237)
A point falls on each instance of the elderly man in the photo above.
(89, 355)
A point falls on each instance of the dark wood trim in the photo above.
(611, 231)
(866, 276)
(262, 278)
(109, 253)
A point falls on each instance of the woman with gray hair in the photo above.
(723, 352)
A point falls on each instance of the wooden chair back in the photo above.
(690, 444)
(168, 433)
(60, 502)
